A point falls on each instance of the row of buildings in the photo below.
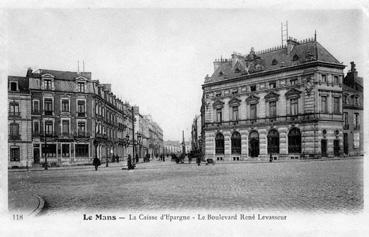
(69, 118)
(288, 102)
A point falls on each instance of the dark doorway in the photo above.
(273, 142)
(345, 143)
(294, 141)
(336, 147)
(36, 155)
(324, 147)
(254, 144)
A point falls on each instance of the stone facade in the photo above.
(66, 118)
(284, 102)
(353, 113)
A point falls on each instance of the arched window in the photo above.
(219, 144)
(295, 57)
(274, 62)
(294, 141)
(273, 141)
(236, 143)
(254, 144)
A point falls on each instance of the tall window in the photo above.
(345, 120)
(49, 127)
(273, 141)
(336, 105)
(82, 150)
(236, 143)
(335, 80)
(253, 111)
(272, 109)
(65, 105)
(293, 82)
(13, 86)
(14, 109)
(294, 106)
(48, 102)
(235, 113)
(48, 84)
(219, 144)
(324, 78)
(272, 85)
(36, 128)
(81, 108)
(14, 131)
(357, 120)
(294, 141)
(81, 87)
(324, 104)
(219, 115)
(65, 150)
(36, 106)
(81, 128)
(65, 127)
(253, 88)
(14, 154)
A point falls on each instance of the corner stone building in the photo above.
(285, 101)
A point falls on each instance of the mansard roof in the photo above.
(64, 75)
(301, 52)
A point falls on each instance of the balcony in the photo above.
(300, 118)
(15, 137)
(81, 114)
(14, 114)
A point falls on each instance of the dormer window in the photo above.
(295, 57)
(237, 70)
(47, 84)
(13, 86)
(274, 62)
(220, 73)
(81, 87)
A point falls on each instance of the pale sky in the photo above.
(158, 58)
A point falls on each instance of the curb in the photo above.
(40, 206)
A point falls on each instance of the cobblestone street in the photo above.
(294, 186)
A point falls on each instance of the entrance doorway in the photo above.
(36, 155)
(254, 144)
(324, 147)
(336, 147)
(345, 143)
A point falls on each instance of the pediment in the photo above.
(218, 104)
(252, 99)
(293, 93)
(271, 96)
(81, 78)
(234, 102)
(47, 75)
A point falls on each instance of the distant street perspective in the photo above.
(334, 185)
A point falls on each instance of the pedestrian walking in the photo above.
(198, 160)
(96, 162)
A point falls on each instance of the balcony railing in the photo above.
(14, 114)
(308, 117)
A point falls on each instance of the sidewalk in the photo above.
(26, 203)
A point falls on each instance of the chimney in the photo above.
(291, 42)
(29, 72)
(217, 64)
